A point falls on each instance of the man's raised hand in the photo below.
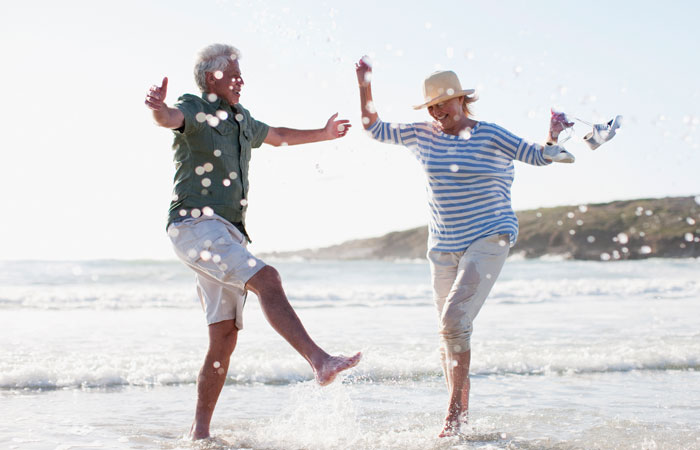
(155, 99)
(336, 128)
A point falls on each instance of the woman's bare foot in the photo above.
(453, 423)
(333, 365)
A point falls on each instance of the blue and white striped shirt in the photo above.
(468, 178)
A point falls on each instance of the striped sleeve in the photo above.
(394, 133)
(518, 148)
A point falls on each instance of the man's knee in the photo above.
(223, 336)
(265, 279)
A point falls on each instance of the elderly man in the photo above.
(213, 137)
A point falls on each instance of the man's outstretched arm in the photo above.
(334, 129)
(164, 115)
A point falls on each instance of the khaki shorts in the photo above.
(216, 251)
(461, 283)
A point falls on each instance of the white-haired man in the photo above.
(213, 138)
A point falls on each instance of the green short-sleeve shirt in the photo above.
(212, 154)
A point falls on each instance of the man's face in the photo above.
(227, 84)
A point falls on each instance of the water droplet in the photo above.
(199, 170)
(590, 239)
(560, 223)
(579, 222)
(200, 117)
(605, 256)
(341, 127)
(622, 238)
(206, 182)
(205, 255)
(616, 254)
(217, 364)
(216, 258)
(217, 152)
(690, 221)
(238, 117)
(570, 215)
(233, 175)
(365, 120)
(252, 262)
(173, 232)
(244, 202)
(218, 74)
(207, 211)
(539, 214)
(208, 167)
(583, 208)
(212, 120)
(689, 237)
(572, 232)
(204, 192)
(183, 212)
(645, 250)
(465, 134)
(220, 371)
(454, 168)
(221, 114)
(174, 197)
(648, 212)
(212, 97)
(192, 253)
(226, 182)
(195, 213)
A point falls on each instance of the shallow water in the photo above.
(104, 354)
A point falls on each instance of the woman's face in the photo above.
(448, 113)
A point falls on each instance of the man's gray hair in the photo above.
(212, 58)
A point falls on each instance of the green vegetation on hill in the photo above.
(629, 229)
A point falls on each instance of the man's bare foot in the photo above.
(333, 366)
(196, 434)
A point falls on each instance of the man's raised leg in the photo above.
(222, 342)
(267, 285)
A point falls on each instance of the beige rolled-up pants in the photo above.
(461, 283)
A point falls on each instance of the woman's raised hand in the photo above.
(364, 71)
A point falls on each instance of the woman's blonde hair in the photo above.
(469, 99)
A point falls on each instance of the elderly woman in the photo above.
(469, 170)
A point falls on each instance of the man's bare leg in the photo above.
(222, 341)
(267, 285)
(458, 408)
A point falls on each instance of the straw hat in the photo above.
(441, 86)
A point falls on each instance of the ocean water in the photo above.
(565, 355)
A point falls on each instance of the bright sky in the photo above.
(87, 174)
